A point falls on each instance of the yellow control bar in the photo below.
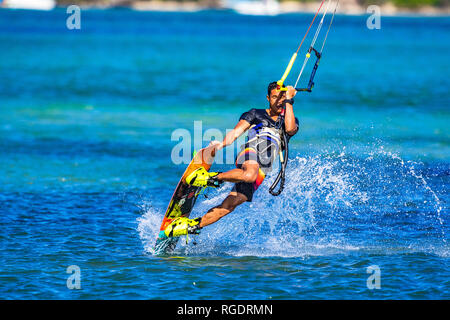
(286, 73)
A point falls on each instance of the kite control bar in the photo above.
(280, 84)
(313, 73)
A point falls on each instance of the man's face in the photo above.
(276, 100)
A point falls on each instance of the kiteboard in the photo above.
(183, 200)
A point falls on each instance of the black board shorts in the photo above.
(248, 188)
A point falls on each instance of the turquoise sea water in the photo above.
(86, 118)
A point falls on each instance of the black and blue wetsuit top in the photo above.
(263, 136)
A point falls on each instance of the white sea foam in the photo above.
(149, 224)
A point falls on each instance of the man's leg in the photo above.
(246, 176)
(233, 200)
(183, 226)
(248, 173)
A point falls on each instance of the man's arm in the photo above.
(289, 118)
(231, 136)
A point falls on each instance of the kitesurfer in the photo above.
(252, 163)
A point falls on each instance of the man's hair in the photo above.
(272, 85)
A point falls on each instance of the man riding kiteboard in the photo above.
(253, 162)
